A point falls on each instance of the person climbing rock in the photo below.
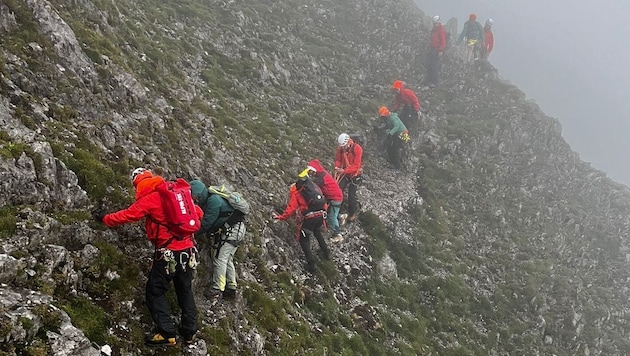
(309, 215)
(173, 261)
(348, 171)
(333, 194)
(225, 227)
(437, 45)
(488, 38)
(473, 33)
(406, 105)
(397, 135)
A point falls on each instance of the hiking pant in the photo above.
(409, 117)
(332, 218)
(157, 286)
(435, 65)
(314, 225)
(223, 271)
(394, 155)
(352, 193)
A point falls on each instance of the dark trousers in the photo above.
(409, 117)
(435, 65)
(394, 151)
(352, 193)
(315, 226)
(158, 284)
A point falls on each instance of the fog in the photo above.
(571, 58)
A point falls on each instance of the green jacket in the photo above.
(216, 210)
(395, 125)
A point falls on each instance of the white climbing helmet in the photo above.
(490, 22)
(343, 139)
(436, 19)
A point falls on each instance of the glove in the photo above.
(98, 214)
(275, 216)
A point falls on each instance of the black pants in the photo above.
(409, 116)
(394, 150)
(158, 284)
(352, 193)
(314, 226)
(434, 67)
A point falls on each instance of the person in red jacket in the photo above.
(174, 260)
(333, 194)
(437, 46)
(348, 170)
(489, 38)
(406, 105)
(308, 220)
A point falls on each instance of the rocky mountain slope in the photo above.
(496, 239)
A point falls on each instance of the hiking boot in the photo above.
(336, 238)
(188, 339)
(342, 219)
(229, 294)
(159, 340)
(213, 295)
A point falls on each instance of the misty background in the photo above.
(571, 59)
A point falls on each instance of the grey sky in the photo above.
(572, 59)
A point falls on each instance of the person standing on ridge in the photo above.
(308, 219)
(488, 38)
(406, 104)
(332, 193)
(174, 260)
(437, 46)
(225, 227)
(348, 171)
(473, 33)
(397, 135)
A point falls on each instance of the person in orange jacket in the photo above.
(489, 38)
(349, 170)
(437, 46)
(308, 221)
(406, 105)
(173, 261)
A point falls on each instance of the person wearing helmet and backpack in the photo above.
(349, 170)
(397, 135)
(473, 33)
(488, 38)
(437, 46)
(225, 226)
(310, 219)
(173, 261)
(406, 105)
(333, 194)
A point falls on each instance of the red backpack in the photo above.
(181, 216)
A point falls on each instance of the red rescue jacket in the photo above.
(350, 159)
(438, 38)
(489, 43)
(148, 205)
(406, 97)
(330, 188)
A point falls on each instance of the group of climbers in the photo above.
(479, 44)
(316, 198)
(479, 40)
(175, 257)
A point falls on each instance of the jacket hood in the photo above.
(147, 186)
(315, 163)
(199, 190)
